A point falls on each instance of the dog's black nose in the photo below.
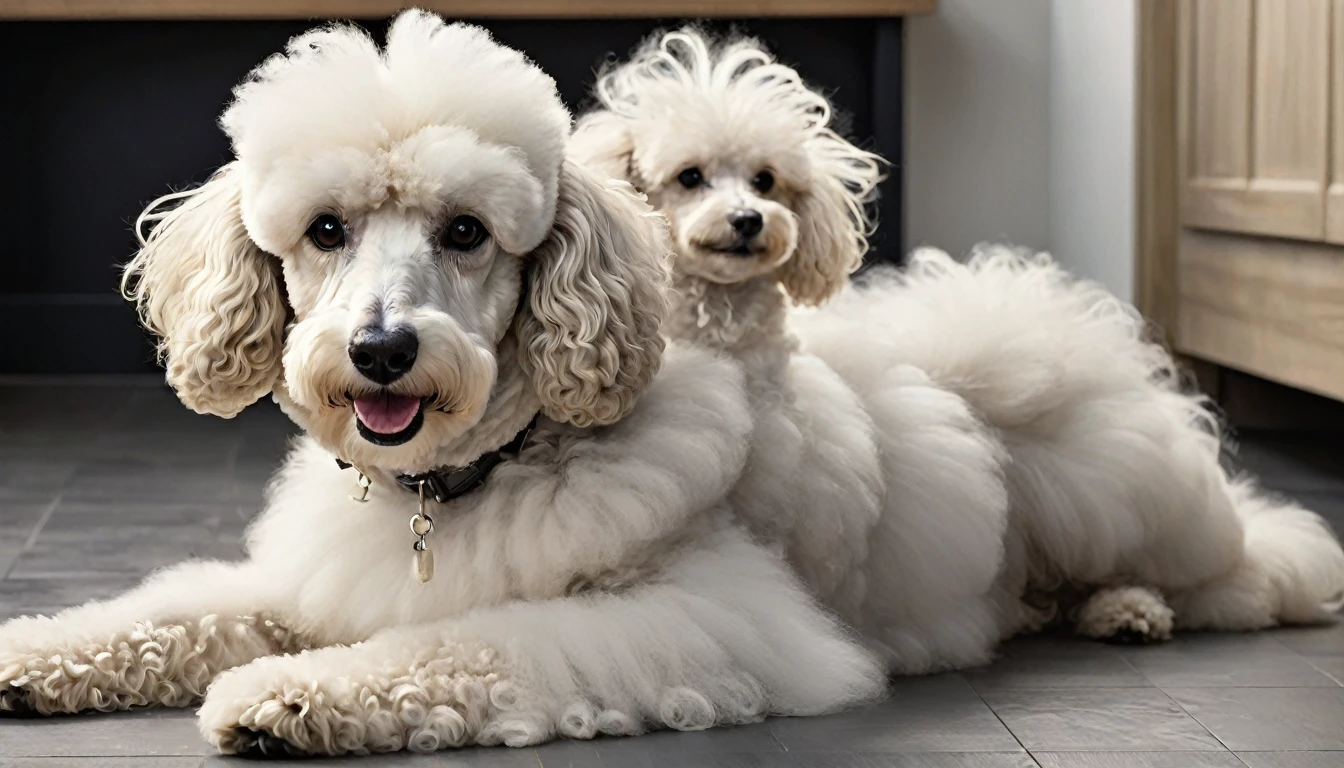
(382, 355)
(746, 223)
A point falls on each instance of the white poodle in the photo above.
(401, 255)
(950, 456)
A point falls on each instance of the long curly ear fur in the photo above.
(596, 299)
(833, 214)
(211, 295)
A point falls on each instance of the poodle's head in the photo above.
(739, 154)
(398, 241)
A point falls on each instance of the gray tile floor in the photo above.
(100, 484)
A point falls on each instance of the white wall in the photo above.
(977, 124)
(1092, 78)
(1020, 128)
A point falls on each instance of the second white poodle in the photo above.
(954, 455)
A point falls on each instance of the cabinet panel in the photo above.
(1292, 97)
(1255, 88)
(1334, 211)
(1220, 89)
(1274, 308)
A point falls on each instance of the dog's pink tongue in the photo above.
(387, 414)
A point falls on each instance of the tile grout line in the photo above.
(1030, 755)
(1125, 659)
(1198, 722)
(1338, 680)
(42, 521)
(775, 736)
(37, 530)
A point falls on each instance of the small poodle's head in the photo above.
(399, 241)
(740, 156)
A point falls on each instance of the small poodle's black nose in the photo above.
(746, 223)
(383, 355)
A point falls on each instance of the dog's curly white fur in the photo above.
(946, 457)
(597, 583)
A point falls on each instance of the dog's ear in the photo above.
(211, 295)
(603, 141)
(595, 301)
(833, 220)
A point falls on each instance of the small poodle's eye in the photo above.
(691, 178)
(327, 232)
(464, 233)
(763, 182)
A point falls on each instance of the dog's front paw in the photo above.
(33, 684)
(257, 711)
(14, 703)
(48, 668)
(1128, 615)
(66, 681)
(319, 704)
(14, 698)
(348, 700)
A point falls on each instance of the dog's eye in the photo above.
(690, 178)
(327, 232)
(464, 233)
(763, 181)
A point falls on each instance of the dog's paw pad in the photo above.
(260, 745)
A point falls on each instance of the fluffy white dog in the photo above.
(401, 255)
(954, 455)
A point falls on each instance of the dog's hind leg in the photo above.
(161, 643)
(723, 636)
(1125, 615)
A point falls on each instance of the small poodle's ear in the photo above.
(833, 223)
(595, 301)
(211, 295)
(603, 141)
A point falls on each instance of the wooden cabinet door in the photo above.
(1334, 201)
(1254, 115)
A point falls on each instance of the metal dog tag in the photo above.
(422, 525)
(424, 562)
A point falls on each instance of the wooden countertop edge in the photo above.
(13, 10)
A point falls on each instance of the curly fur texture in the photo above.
(598, 582)
(96, 657)
(438, 701)
(197, 261)
(595, 313)
(169, 665)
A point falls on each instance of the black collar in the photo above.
(447, 483)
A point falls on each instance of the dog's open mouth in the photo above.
(387, 419)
